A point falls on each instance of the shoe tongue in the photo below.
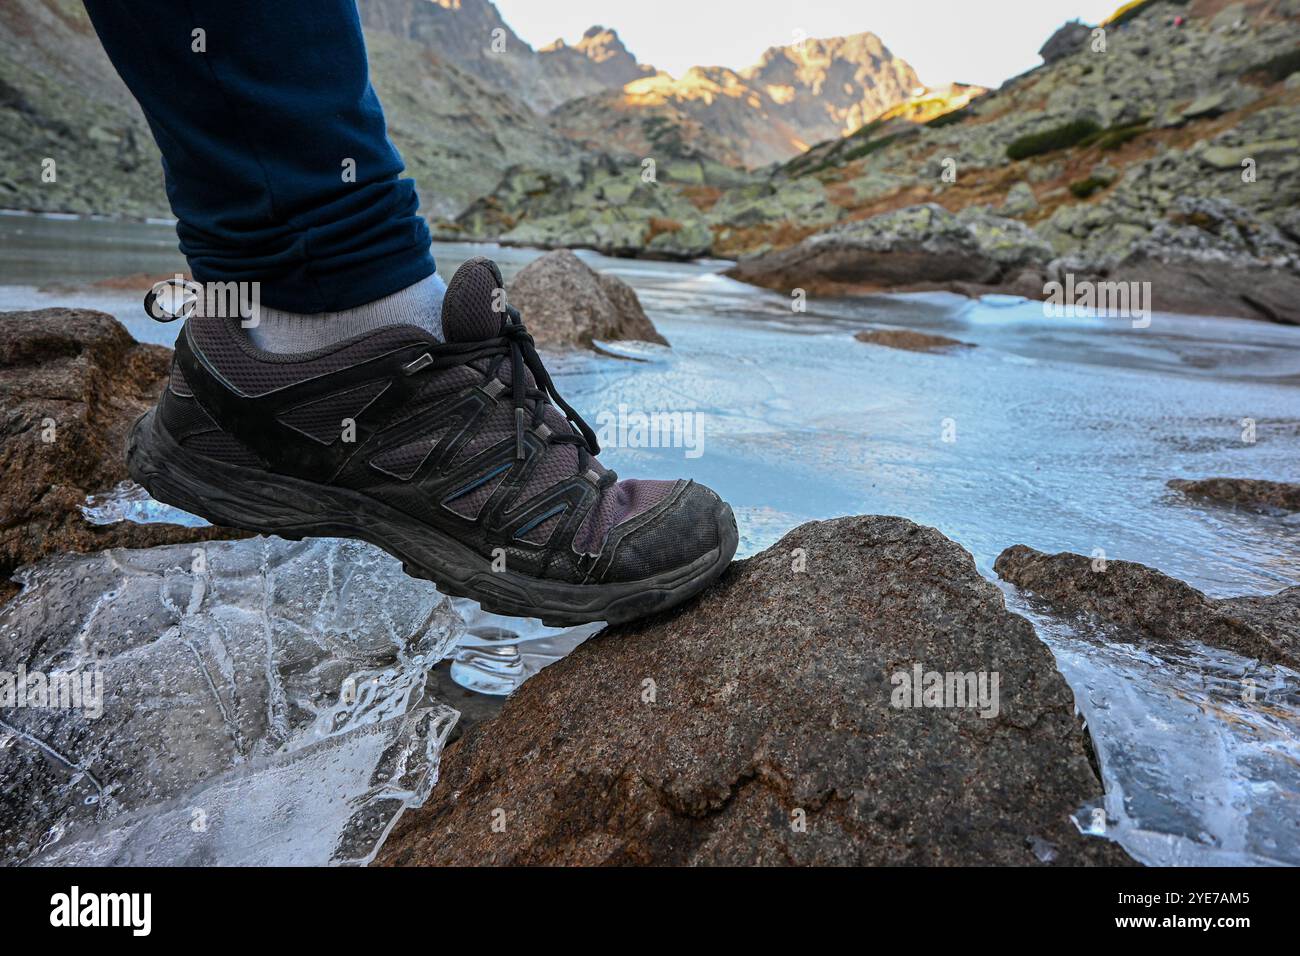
(474, 305)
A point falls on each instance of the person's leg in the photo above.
(277, 161)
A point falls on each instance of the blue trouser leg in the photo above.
(258, 132)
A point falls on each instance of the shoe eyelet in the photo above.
(424, 361)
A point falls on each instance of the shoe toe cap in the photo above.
(692, 524)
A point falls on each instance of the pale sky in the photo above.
(972, 41)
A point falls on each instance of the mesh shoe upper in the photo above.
(468, 435)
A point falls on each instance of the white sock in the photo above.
(419, 304)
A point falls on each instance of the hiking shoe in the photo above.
(459, 458)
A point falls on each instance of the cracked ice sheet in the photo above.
(264, 702)
(1199, 747)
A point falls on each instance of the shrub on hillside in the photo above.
(867, 148)
(1059, 137)
(951, 118)
(1083, 188)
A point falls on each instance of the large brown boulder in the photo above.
(1155, 606)
(760, 724)
(566, 303)
(71, 383)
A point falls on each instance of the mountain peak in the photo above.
(862, 49)
(601, 44)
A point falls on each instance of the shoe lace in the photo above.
(516, 343)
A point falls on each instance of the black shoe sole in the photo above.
(260, 501)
